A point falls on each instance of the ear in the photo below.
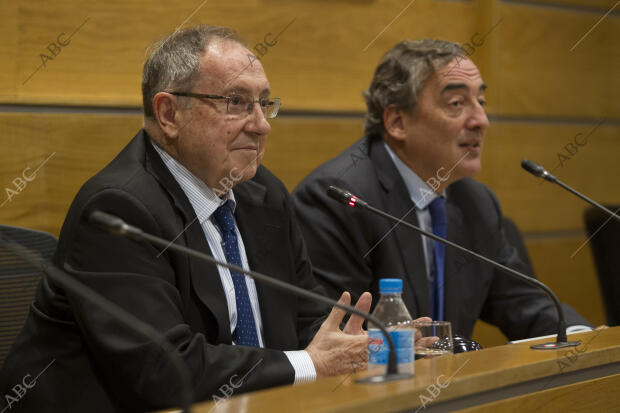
(393, 123)
(167, 111)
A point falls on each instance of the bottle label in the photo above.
(379, 348)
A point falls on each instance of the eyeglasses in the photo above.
(239, 104)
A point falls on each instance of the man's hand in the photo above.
(354, 325)
(423, 342)
(340, 352)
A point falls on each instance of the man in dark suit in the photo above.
(424, 133)
(206, 111)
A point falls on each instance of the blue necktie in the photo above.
(439, 220)
(245, 330)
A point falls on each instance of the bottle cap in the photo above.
(390, 286)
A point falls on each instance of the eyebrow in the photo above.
(245, 91)
(453, 86)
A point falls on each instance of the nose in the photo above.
(256, 121)
(478, 119)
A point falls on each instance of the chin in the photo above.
(248, 173)
(470, 170)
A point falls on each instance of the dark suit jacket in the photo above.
(101, 365)
(351, 249)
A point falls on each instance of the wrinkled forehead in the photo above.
(228, 64)
(461, 71)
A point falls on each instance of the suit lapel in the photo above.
(411, 249)
(455, 263)
(260, 226)
(399, 204)
(205, 277)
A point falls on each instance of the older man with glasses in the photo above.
(205, 129)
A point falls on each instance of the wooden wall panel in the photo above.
(595, 5)
(538, 206)
(573, 279)
(85, 143)
(298, 145)
(8, 49)
(319, 62)
(77, 146)
(534, 72)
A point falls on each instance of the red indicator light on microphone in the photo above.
(352, 201)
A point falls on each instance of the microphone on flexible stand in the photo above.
(540, 172)
(116, 225)
(347, 198)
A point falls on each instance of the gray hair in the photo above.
(401, 75)
(173, 63)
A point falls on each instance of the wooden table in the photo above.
(506, 378)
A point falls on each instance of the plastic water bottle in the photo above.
(391, 311)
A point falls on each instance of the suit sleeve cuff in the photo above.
(577, 329)
(303, 365)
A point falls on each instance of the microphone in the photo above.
(540, 172)
(75, 287)
(346, 197)
(116, 225)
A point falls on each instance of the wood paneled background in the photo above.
(70, 99)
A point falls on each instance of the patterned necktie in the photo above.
(439, 220)
(245, 330)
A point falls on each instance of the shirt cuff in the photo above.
(303, 365)
(578, 329)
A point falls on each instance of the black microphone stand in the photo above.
(348, 198)
(540, 172)
(116, 225)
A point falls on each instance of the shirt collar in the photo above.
(202, 198)
(419, 192)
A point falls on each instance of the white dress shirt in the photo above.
(204, 201)
(421, 195)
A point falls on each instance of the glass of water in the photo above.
(432, 338)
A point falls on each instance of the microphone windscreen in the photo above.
(533, 168)
(106, 221)
(345, 197)
(339, 195)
